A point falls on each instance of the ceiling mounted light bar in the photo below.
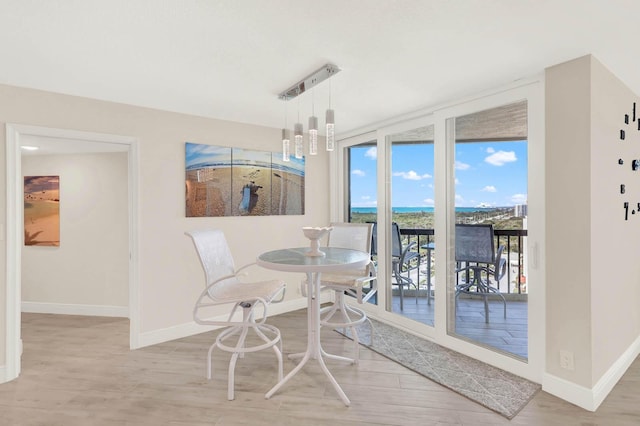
(308, 82)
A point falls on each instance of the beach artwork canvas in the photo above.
(223, 181)
(42, 211)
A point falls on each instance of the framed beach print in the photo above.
(224, 181)
(42, 211)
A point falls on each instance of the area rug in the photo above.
(498, 390)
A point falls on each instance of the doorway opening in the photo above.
(67, 142)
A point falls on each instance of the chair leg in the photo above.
(232, 364)
(276, 348)
(209, 354)
(345, 321)
(238, 347)
(231, 377)
(342, 307)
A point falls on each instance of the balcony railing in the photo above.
(513, 240)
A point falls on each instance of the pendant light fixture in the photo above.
(286, 148)
(330, 121)
(297, 135)
(313, 129)
(297, 89)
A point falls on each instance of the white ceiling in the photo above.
(229, 59)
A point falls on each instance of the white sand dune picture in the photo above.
(42, 211)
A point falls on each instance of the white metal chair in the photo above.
(361, 283)
(223, 286)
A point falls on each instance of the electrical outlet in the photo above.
(566, 360)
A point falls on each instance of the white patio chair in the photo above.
(354, 283)
(224, 287)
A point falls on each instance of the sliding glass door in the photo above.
(439, 180)
(490, 196)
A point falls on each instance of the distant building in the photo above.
(520, 210)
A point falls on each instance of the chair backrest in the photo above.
(396, 249)
(356, 236)
(214, 253)
(474, 243)
(374, 239)
(395, 236)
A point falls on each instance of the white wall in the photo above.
(88, 272)
(568, 218)
(593, 284)
(615, 279)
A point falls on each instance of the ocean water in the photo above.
(424, 209)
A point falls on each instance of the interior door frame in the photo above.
(14, 206)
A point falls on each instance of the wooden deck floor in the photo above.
(509, 335)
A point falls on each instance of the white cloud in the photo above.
(428, 202)
(358, 172)
(489, 188)
(461, 166)
(366, 203)
(491, 150)
(456, 181)
(372, 153)
(411, 175)
(365, 197)
(500, 158)
(484, 205)
(519, 198)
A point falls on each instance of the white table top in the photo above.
(295, 260)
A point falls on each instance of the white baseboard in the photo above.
(71, 309)
(590, 399)
(189, 329)
(569, 391)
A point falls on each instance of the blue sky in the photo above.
(488, 174)
(198, 154)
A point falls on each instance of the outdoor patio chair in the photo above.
(476, 256)
(361, 284)
(404, 260)
(223, 286)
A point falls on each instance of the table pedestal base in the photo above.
(314, 349)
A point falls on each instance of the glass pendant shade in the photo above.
(331, 136)
(286, 150)
(297, 135)
(313, 135)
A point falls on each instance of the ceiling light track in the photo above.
(310, 81)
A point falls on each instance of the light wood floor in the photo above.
(79, 371)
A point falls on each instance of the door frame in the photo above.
(531, 89)
(14, 206)
(533, 92)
